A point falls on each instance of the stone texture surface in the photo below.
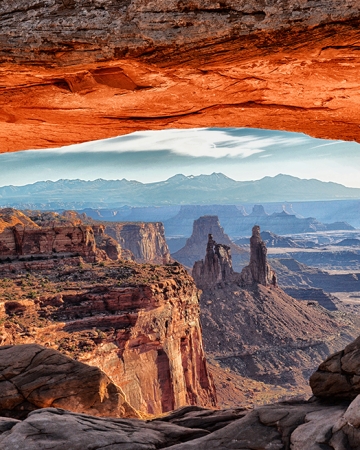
(139, 323)
(61, 430)
(104, 68)
(283, 426)
(33, 377)
(339, 375)
(66, 31)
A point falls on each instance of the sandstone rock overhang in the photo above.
(72, 72)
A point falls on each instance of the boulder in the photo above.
(339, 375)
(33, 377)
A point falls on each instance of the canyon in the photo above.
(328, 420)
(281, 340)
(58, 288)
(76, 71)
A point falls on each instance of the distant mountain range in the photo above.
(177, 190)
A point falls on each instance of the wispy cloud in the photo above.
(147, 156)
(196, 143)
(325, 145)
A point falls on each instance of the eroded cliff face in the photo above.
(21, 237)
(135, 65)
(49, 234)
(146, 241)
(138, 323)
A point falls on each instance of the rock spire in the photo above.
(258, 270)
(216, 267)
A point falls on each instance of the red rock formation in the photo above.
(48, 233)
(146, 241)
(32, 377)
(194, 247)
(287, 65)
(258, 271)
(253, 328)
(216, 268)
(139, 324)
(104, 242)
(21, 240)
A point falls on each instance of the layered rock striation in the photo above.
(139, 323)
(18, 239)
(128, 66)
(50, 235)
(104, 30)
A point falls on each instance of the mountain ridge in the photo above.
(178, 189)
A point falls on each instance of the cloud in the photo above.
(147, 156)
(196, 143)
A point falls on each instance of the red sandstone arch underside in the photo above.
(307, 82)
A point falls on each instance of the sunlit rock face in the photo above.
(101, 69)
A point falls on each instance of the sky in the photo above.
(149, 156)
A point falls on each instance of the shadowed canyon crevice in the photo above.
(74, 72)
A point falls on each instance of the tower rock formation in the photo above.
(253, 328)
(217, 266)
(258, 271)
(194, 247)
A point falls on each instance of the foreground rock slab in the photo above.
(32, 377)
(62, 430)
(284, 426)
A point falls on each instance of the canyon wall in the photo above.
(146, 241)
(20, 236)
(44, 234)
(138, 323)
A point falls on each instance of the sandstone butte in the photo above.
(73, 71)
